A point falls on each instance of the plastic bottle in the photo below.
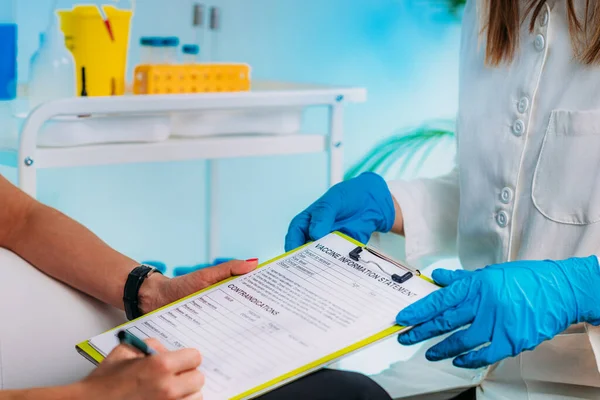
(52, 70)
(198, 23)
(215, 27)
(36, 55)
(169, 51)
(151, 48)
(191, 53)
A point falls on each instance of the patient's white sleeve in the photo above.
(430, 211)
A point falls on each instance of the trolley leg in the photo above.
(27, 177)
(335, 145)
(212, 210)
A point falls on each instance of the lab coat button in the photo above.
(518, 127)
(539, 42)
(506, 195)
(523, 105)
(502, 219)
(545, 18)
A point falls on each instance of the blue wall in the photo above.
(405, 52)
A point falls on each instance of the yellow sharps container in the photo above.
(102, 57)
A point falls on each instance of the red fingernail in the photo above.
(252, 260)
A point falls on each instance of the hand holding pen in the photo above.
(145, 370)
(126, 338)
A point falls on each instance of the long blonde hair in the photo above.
(503, 19)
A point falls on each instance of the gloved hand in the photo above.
(357, 207)
(511, 307)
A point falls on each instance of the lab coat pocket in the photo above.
(566, 183)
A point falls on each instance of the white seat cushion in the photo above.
(41, 321)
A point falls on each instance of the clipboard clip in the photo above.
(410, 272)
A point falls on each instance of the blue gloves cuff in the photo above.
(382, 196)
(583, 276)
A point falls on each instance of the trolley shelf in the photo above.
(24, 154)
(175, 149)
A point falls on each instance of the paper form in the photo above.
(289, 313)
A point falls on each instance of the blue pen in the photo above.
(133, 341)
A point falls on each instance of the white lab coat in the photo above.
(527, 186)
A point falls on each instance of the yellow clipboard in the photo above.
(87, 351)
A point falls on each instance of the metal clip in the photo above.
(355, 255)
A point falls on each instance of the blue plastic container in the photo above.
(8, 61)
(191, 49)
(8, 50)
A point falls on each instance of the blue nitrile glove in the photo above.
(357, 207)
(511, 307)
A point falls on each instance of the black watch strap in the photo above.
(132, 288)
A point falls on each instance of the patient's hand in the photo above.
(128, 375)
(159, 290)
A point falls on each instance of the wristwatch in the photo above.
(132, 289)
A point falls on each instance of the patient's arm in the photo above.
(61, 247)
(67, 251)
(52, 393)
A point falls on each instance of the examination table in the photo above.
(41, 321)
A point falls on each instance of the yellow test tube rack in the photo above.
(191, 78)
